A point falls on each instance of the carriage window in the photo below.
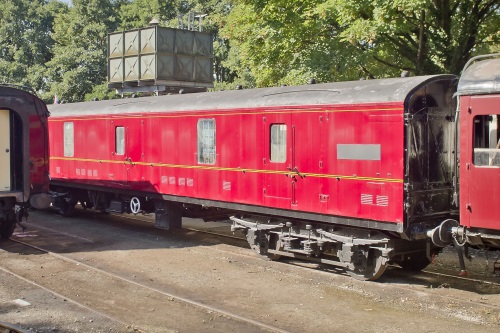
(120, 140)
(69, 140)
(278, 143)
(206, 141)
(486, 140)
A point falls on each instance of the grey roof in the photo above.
(482, 77)
(363, 91)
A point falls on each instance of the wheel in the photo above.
(415, 262)
(135, 205)
(261, 242)
(368, 266)
(68, 208)
(8, 226)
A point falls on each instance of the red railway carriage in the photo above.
(23, 155)
(350, 173)
(479, 109)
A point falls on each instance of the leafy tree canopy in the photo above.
(80, 34)
(25, 41)
(61, 49)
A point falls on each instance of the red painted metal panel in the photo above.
(162, 148)
(277, 178)
(479, 183)
(38, 154)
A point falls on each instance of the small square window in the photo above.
(278, 143)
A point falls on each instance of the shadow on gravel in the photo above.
(89, 231)
(443, 280)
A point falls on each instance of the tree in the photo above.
(138, 13)
(423, 36)
(288, 42)
(25, 40)
(283, 41)
(79, 64)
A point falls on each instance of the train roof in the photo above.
(481, 75)
(21, 99)
(350, 92)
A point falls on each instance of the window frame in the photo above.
(278, 143)
(69, 139)
(120, 146)
(483, 155)
(206, 141)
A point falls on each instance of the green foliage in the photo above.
(289, 42)
(101, 92)
(25, 42)
(138, 13)
(61, 49)
(423, 36)
(80, 36)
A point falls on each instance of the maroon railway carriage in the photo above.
(351, 173)
(24, 155)
(479, 127)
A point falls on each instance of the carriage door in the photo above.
(5, 178)
(483, 172)
(277, 160)
(127, 138)
(133, 150)
(307, 164)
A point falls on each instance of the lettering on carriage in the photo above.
(360, 152)
(171, 180)
(190, 182)
(58, 169)
(78, 172)
(182, 181)
(164, 179)
(226, 186)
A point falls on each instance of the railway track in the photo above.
(393, 287)
(7, 328)
(244, 244)
(170, 296)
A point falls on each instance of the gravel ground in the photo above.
(157, 270)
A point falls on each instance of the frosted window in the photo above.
(69, 140)
(278, 143)
(120, 140)
(206, 141)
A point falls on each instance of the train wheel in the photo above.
(415, 262)
(368, 265)
(67, 209)
(8, 226)
(261, 242)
